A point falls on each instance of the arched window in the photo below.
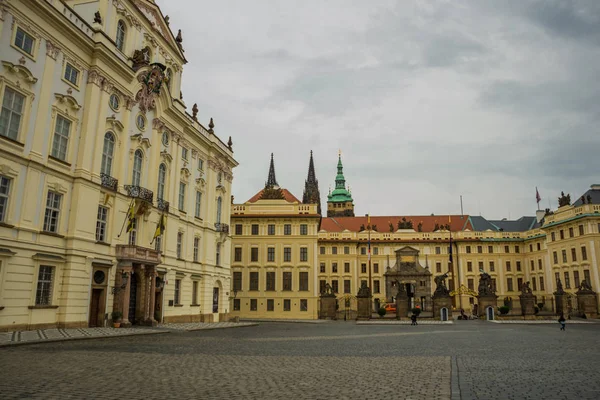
(137, 168)
(107, 153)
(219, 204)
(120, 39)
(162, 173)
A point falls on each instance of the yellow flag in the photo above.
(131, 217)
(160, 226)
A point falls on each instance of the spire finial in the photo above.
(271, 181)
(211, 125)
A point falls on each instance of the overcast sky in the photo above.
(426, 100)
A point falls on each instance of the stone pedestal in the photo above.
(483, 302)
(527, 304)
(364, 307)
(440, 302)
(402, 306)
(328, 307)
(587, 303)
(560, 304)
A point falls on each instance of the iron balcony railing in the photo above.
(109, 182)
(221, 227)
(162, 205)
(139, 192)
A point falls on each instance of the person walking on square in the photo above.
(561, 320)
(413, 318)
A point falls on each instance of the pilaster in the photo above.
(38, 151)
(90, 124)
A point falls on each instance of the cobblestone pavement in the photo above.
(198, 326)
(402, 322)
(464, 360)
(50, 335)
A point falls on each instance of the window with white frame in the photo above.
(133, 232)
(52, 214)
(181, 196)
(158, 243)
(60, 142)
(196, 248)
(43, 293)
(12, 111)
(120, 37)
(218, 255)
(24, 41)
(137, 168)
(195, 293)
(101, 222)
(177, 297)
(184, 153)
(4, 193)
(179, 244)
(219, 205)
(107, 153)
(162, 174)
(71, 74)
(198, 204)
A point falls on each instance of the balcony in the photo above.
(162, 205)
(109, 182)
(139, 192)
(137, 254)
(220, 227)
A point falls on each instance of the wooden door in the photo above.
(95, 306)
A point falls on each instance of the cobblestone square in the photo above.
(465, 360)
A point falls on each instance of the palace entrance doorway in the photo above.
(408, 272)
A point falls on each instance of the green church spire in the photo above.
(340, 194)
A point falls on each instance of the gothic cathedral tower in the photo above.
(311, 187)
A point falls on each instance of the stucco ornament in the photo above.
(152, 81)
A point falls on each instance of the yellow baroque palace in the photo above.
(274, 242)
(113, 197)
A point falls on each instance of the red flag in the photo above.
(537, 195)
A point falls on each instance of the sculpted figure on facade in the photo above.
(526, 289)
(151, 84)
(440, 284)
(486, 285)
(584, 286)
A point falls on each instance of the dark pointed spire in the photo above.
(311, 186)
(271, 181)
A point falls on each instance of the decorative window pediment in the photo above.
(221, 189)
(200, 182)
(114, 124)
(185, 174)
(57, 187)
(143, 142)
(6, 170)
(166, 157)
(21, 71)
(69, 100)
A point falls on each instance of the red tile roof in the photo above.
(339, 224)
(290, 198)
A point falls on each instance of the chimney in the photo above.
(539, 214)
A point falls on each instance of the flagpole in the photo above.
(126, 215)
(369, 251)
